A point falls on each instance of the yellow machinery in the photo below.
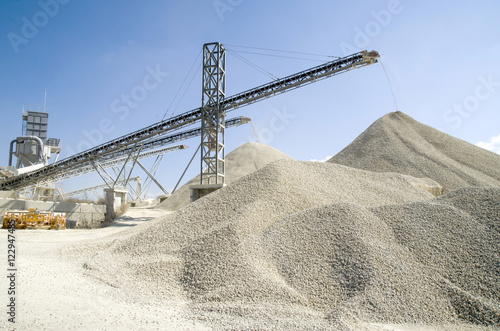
(34, 218)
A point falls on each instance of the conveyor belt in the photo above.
(86, 166)
(111, 149)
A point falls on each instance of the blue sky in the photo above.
(442, 59)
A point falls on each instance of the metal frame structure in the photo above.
(213, 115)
(122, 145)
(109, 180)
(94, 188)
(64, 169)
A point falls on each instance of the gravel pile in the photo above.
(306, 245)
(344, 261)
(222, 253)
(457, 238)
(242, 161)
(398, 143)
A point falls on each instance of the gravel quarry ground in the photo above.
(55, 293)
(289, 245)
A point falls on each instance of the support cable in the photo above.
(281, 56)
(185, 91)
(283, 51)
(179, 90)
(250, 63)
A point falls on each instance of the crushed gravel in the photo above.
(307, 245)
(398, 143)
(244, 160)
(457, 237)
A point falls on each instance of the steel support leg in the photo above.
(213, 115)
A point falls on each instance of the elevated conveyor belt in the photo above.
(72, 170)
(109, 149)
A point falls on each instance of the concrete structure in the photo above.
(7, 194)
(199, 191)
(163, 197)
(116, 198)
(78, 215)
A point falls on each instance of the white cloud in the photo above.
(322, 160)
(493, 145)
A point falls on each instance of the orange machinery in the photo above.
(34, 218)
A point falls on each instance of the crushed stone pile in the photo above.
(244, 160)
(398, 143)
(325, 246)
(457, 237)
(306, 244)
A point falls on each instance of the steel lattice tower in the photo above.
(213, 115)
